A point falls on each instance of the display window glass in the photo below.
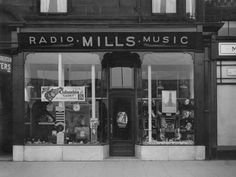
(63, 98)
(166, 108)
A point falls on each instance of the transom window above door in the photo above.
(121, 77)
(53, 6)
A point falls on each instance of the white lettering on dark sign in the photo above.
(109, 40)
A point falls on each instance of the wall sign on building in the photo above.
(227, 48)
(5, 64)
(110, 40)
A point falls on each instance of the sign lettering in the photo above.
(110, 40)
(5, 64)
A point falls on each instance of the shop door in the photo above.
(121, 124)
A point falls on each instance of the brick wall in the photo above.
(94, 8)
(85, 7)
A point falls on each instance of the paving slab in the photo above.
(119, 168)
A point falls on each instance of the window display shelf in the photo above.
(46, 123)
(35, 98)
(154, 142)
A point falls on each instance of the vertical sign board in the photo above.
(5, 64)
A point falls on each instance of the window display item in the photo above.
(122, 119)
(168, 101)
(60, 138)
(82, 134)
(93, 127)
(76, 107)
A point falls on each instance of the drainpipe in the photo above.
(139, 11)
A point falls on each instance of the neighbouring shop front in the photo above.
(223, 124)
(5, 104)
(89, 96)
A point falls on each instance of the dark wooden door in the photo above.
(121, 124)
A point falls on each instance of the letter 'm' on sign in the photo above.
(146, 39)
(87, 42)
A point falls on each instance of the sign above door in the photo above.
(85, 41)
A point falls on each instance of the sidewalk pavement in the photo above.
(119, 168)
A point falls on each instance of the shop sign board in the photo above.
(227, 48)
(110, 40)
(5, 64)
(51, 94)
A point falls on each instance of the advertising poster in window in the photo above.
(169, 101)
(5, 64)
(51, 94)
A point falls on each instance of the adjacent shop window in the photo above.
(164, 6)
(166, 113)
(228, 29)
(226, 100)
(226, 72)
(53, 6)
(61, 105)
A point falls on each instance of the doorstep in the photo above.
(5, 157)
(121, 158)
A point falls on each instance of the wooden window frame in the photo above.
(181, 11)
(69, 7)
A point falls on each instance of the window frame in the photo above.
(69, 7)
(164, 14)
(181, 11)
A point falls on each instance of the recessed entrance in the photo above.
(121, 70)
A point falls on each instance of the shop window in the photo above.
(53, 6)
(226, 72)
(226, 85)
(226, 123)
(164, 6)
(166, 113)
(62, 103)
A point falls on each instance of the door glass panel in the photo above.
(122, 118)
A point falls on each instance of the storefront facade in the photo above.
(118, 92)
(5, 103)
(223, 81)
(136, 78)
